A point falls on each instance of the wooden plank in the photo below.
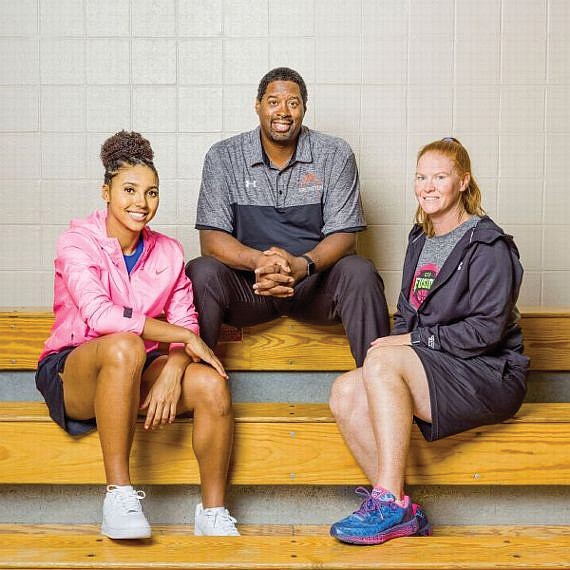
(183, 552)
(285, 344)
(536, 531)
(272, 449)
(283, 412)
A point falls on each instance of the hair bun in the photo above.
(124, 146)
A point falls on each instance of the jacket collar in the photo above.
(485, 231)
(95, 225)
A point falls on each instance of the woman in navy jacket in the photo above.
(454, 360)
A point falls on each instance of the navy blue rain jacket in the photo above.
(471, 307)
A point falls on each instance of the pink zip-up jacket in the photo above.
(95, 296)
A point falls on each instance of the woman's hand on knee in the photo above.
(162, 399)
(198, 351)
(393, 340)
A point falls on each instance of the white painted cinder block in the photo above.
(19, 108)
(245, 60)
(154, 109)
(338, 60)
(338, 18)
(154, 61)
(21, 247)
(63, 156)
(62, 61)
(239, 107)
(108, 18)
(19, 61)
(19, 18)
(154, 19)
(282, 14)
(20, 156)
(200, 109)
(63, 108)
(296, 53)
(108, 61)
(200, 61)
(108, 108)
(200, 18)
(21, 201)
(246, 18)
(62, 18)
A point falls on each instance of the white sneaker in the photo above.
(122, 514)
(215, 521)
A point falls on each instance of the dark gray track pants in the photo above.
(350, 292)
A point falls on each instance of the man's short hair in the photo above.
(282, 74)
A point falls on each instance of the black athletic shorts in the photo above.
(466, 393)
(49, 383)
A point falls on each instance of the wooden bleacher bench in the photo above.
(282, 444)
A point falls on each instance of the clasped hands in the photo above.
(277, 272)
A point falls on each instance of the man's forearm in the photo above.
(228, 250)
(335, 246)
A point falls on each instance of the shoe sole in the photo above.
(131, 534)
(404, 529)
(199, 533)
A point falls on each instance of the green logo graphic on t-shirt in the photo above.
(422, 283)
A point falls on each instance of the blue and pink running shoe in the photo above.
(379, 518)
(424, 527)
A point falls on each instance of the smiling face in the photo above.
(280, 112)
(132, 200)
(438, 188)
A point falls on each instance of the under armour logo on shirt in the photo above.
(251, 183)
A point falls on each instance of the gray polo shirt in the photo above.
(315, 195)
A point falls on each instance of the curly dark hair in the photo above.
(125, 148)
(282, 74)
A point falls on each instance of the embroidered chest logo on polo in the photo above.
(250, 184)
(309, 179)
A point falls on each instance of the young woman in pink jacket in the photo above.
(101, 367)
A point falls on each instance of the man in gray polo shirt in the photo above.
(278, 213)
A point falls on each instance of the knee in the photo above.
(340, 397)
(379, 363)
(202, 270)
(209, 391)
(125, 351)
(359, 272)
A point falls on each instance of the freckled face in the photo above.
(132, 198)
(281, 112)
(438, 186)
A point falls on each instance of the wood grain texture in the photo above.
(536, 531)
(283, 444)
(286, 344)
(184, 552)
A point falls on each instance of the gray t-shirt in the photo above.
(435, 252)
(315, 195)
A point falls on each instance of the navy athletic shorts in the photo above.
(49, 383)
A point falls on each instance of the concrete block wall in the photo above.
(387, 75)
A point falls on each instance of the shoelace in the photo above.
(129, 500)
(223, 517)
(372, 503)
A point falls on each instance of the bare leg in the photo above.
(373, 407)
(396, 388)
(102, 380)
(349, 405)
(207, 395)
